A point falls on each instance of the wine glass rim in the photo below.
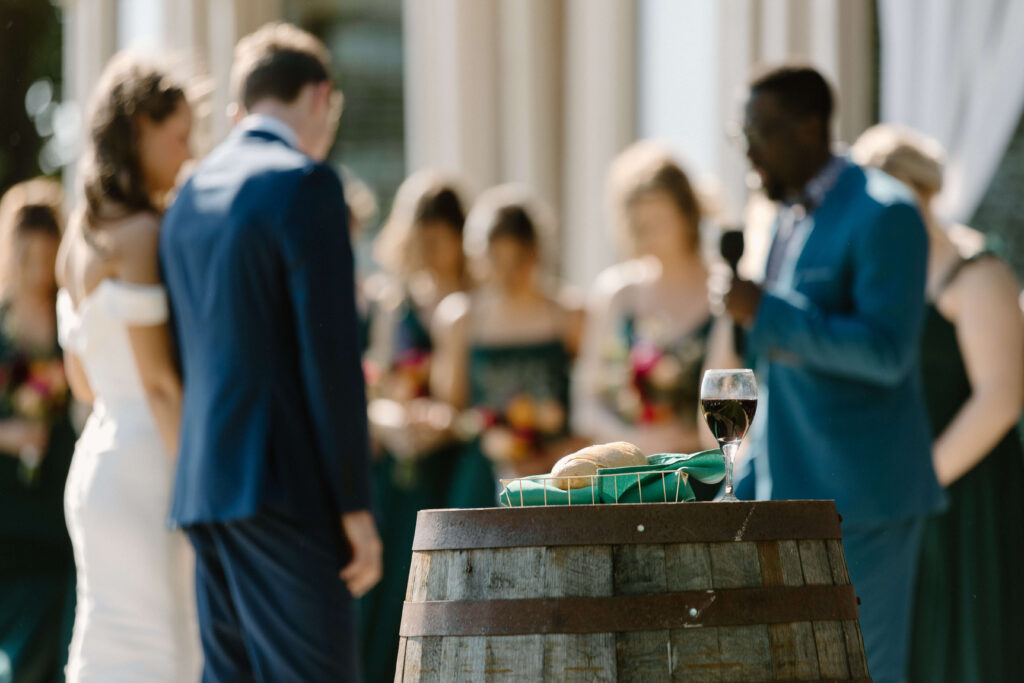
(733, 371)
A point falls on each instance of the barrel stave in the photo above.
(815, 563)
(735, 565)
(688, 566)
(794, 654)
(830, 644)
(821, 647)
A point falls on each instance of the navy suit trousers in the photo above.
(271, 605)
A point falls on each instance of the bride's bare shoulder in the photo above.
(135, 235)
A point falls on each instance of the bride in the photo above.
(135, 619)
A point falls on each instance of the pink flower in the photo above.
(644, 357)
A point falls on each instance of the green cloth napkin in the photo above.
(662, 480)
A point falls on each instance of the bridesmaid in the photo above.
(505, 351)
(420, 248)
(36, 441)
(648, 318)
(969, 605)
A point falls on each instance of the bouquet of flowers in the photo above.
(645, 382)
(33, 389)
(520, 429)
(408, 376)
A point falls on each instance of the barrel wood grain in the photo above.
(735, 565)
(688, 567)
(745, 653)
(794, 652)
(815, 563)
(580, 657)
(818, 649)
(830, 644)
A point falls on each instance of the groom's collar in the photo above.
(265, 123)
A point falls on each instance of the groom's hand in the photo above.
(363, 572)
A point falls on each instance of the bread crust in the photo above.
(574, 470)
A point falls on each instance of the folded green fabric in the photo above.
(663, 480)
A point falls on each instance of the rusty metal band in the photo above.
(650, 523)
(628, 613)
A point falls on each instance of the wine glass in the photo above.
(728, 399)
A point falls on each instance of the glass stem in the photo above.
(729, 451)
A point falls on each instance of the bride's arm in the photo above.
(77, 379)
(151, 343)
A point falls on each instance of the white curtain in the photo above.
(954, 69)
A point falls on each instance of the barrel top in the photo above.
(647, 523)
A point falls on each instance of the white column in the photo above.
(530, 83)
(774, 30)
(600, 91)
(451, 88)
(90, 39)
(695, 60)
(226, 21)
(223, 35)
(678, 75)
(737, 39)
(825, 37)
(855, 56)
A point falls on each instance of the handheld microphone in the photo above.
(731, 247)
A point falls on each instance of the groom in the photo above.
(272, 484)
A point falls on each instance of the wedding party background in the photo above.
(546, 92)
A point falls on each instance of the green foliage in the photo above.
(30, 49)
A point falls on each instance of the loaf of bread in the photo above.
(574, 470)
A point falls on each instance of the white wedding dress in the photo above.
(136, 617)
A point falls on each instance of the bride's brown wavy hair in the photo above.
(111, 173)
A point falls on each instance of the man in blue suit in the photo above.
(834, 328)
(272, 482)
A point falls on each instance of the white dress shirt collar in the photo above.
(272, 125)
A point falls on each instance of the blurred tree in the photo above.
(30, 52)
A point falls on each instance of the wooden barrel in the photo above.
(692, 592)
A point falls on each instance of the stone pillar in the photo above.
(599, 121)
(856, 68)
(90, 39)
(226, 22)
(451, 88)
(530, 82)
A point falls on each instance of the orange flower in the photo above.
(521, 413)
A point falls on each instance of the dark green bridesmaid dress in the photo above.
(36, 562)
(499, 375)
(968, 619)
(400, 490)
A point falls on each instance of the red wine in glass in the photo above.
(728, 400)
(728, 418)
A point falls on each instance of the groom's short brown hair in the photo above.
(277, 61)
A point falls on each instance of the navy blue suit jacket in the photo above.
(838, 346)
(256, 258)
